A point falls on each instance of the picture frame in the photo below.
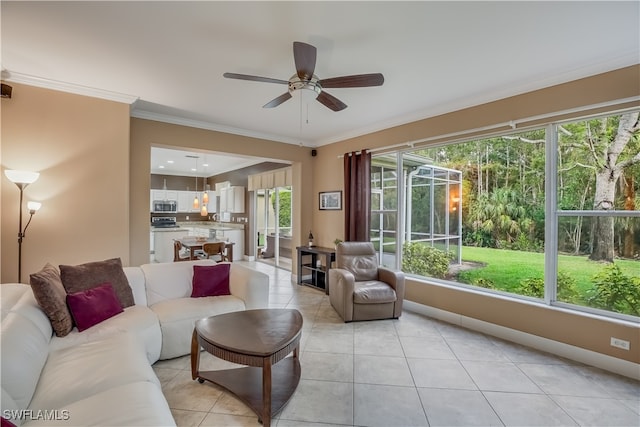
(330, 200)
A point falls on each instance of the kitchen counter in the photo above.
(222, 226)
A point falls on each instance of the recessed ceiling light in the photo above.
(161, 167)
(193, 169)
(170, 161)
(206, 165)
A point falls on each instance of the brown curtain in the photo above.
(357, 196)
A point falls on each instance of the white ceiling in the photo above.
(167, 161)
(168, 57)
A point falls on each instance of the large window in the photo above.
(485, 213)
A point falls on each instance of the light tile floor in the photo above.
(414, 371)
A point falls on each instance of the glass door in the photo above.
(273, 215)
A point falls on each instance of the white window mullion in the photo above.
(400, 214)
(551, 218)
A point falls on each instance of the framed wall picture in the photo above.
(331, 200)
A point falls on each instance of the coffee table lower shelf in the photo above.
(246, 384)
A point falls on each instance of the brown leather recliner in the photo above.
(360, 289)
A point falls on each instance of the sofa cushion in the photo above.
(178, 316)
(76, 278)
(135, 277)
(10, 409)
(210, 280)
(136, 404)
(91, 368)
(92, 306)
(170, 280)
(51, 296)
(23, 355)
(139, 320)
(11, 293)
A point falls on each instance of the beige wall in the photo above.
(90, 162)
(147, 133)
(569, 327)
(80, 146)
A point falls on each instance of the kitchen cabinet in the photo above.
(185, 201)
(232, 199)
(235, 236)
(163, 243)
(212, 206)
(161, 195)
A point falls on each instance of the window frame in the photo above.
(552, 215)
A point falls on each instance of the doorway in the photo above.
(274, 225)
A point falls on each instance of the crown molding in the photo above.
(165, 118)
(26, 79)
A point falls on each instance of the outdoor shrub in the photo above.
(523, 243)
(613, 290)
(418, 258)
(534, 287)
(567, 288)
(484, 283)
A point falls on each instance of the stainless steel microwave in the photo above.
(165, 206)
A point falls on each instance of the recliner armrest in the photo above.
(395, 279)
(341, 286)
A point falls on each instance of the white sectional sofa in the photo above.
(103, 375)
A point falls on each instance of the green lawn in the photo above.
(506, 268)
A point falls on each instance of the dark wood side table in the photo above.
(309, 272)
(257, 338)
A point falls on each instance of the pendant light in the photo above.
(205, 195)
(196, 202)
(205, 199)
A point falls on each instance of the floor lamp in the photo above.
(22, 179)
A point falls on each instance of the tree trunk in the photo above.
(606, 178)
(629, 205)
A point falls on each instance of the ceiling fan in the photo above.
(304, 56)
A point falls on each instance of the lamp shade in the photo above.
(21, 177)
(33, 206)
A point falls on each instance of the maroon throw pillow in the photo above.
(6, 423)
(211, 280)
(92, 306)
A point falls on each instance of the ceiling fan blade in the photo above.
(358, 80)
(304, 56)
(331, 101)
(277, 101)
(254, 78)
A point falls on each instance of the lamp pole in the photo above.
(21, 179)
(21, 186)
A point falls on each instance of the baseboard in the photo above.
(592, 358)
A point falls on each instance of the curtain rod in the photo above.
(513, 124)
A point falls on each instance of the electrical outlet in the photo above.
(617, 342)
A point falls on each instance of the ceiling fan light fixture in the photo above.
(295, 84)
(304, 56)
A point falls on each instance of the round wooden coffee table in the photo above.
(259, 339)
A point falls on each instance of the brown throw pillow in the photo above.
(52, 298)
(76, 278)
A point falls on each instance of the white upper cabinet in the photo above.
(232, 199)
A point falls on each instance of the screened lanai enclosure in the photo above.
(428, 210)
